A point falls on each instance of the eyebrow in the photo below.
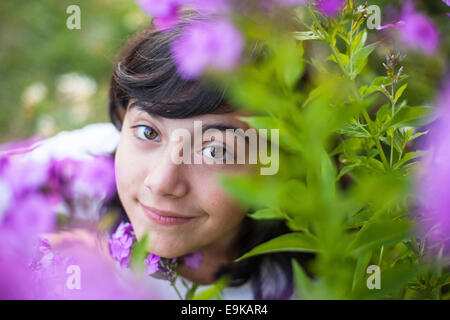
(218, 126)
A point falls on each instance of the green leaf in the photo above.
(359, 41)
(359, 60)
(305, 35)
(409, 117)
(392, 280)
(302, 283)
(409, 156)
(138, 254)
(344, 58)
(346, 169)
(255, 191)
(213, 291)
(354, 130)
(295, 241)
(383, 114)
(360, 269)
(379, 233)
(269, 213)
(399, 92)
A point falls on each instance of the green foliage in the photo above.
(346, 158)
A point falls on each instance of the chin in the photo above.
(166, 253)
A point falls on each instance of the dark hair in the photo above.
(146, 74)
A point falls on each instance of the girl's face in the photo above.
(150, 184)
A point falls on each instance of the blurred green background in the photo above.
(54, 79)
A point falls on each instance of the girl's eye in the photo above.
(146, 133)
(215, 152)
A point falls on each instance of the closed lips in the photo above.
(166, 214)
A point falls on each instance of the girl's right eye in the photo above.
(146, 133)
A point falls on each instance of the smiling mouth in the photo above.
(164, 217)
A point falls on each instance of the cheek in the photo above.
(223, 210)
(127, 176)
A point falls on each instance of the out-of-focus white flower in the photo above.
(34, 93)
(46, 125)
(135, 19)
(75, 87)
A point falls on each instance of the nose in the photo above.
(166, 178)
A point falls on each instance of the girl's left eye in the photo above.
(146, 133)
(215, 152)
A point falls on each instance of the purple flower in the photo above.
(164, 12)
(433, 191)
(419, 31)
(447, 2)
(416, 30)
(19, 147)
(291, 2)
(210, 6)
(25, 176)
(392, 25)
(159, 8)
(95, 178)
(29, 217)
(330, 7)
(193, 260)
(152, 263)
(121, 242)
(216, 44)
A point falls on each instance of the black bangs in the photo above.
(146, 76)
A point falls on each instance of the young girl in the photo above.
(182, 206)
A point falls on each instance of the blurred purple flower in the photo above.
(95, 178)
(419, 31)
(152, 263)
(433, 190)
(416, 30)
(216, 44)
(330, 7)
(392, 25)
(193, 260)
(19, 147)
(210, 6)
(159, 8)
(25, 176)
(291, 2)
(30, 216)
(121, 242)
(447, 2)
(164, 12)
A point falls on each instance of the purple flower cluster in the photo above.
(122, 241)
(416, 30)
(32, 194)
(213, 43)
(166, 12)
(432, 185)
(330, 7)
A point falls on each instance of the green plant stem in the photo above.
(392, 138)
(376, 140)
(172, 283)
